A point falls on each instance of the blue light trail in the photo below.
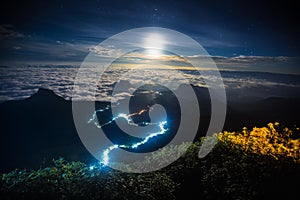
(127, 117)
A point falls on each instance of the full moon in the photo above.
(154, 44)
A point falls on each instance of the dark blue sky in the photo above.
(62, 30)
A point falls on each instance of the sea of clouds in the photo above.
(21, 82)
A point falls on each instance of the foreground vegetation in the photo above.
(251, 164)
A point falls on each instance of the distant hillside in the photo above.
(39, 128)
(36, 129)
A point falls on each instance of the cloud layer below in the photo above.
(22, 82)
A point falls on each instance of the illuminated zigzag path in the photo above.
(127, 117)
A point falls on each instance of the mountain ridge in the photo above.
(41, 127)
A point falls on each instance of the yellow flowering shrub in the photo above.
(271, 140)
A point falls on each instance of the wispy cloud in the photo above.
(36, 49)
(42, 49)
(8, 31)
(276, 64)
(110, 51)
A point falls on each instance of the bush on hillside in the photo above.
(261, 163)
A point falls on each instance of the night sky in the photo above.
(63, 31)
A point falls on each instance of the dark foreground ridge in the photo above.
(37, 129)
(40, 128)
(223, 174)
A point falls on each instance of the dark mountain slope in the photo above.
(41, 127)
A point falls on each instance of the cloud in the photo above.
(7, 31)
(110, 51)
(279, 64)
(36, 49)
(22, 82)
(267, 59)
(249, 59)
(276, 64)
(17, 47)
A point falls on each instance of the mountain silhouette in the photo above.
(45, 94)
(37, 129)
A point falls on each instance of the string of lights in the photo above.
(127, 117)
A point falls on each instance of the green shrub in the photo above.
(227, 172)
(74, 180)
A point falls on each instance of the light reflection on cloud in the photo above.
(20, 83)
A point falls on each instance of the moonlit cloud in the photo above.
(278, 64)
(20, 83)
(110, 51)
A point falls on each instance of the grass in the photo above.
(250, 164)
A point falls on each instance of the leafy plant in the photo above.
(251, 164)
(75, 180)
(272, 140)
